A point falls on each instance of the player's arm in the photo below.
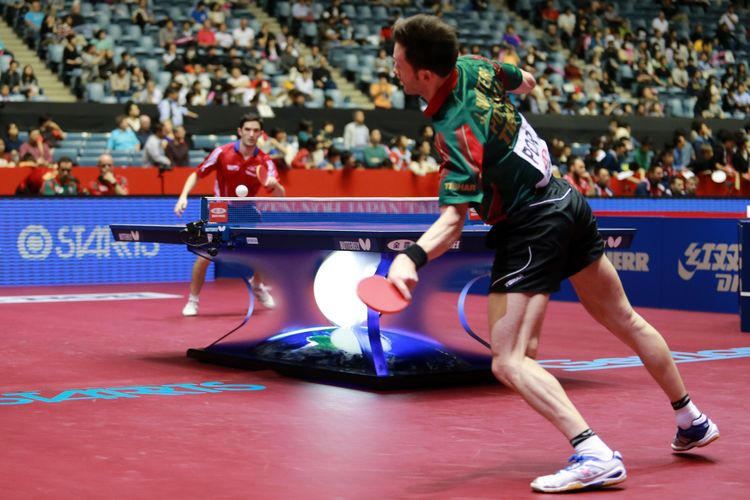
(443, 233)
(514, 79)
(182, 201)
(275, 186)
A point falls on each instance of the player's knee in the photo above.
(506, 371)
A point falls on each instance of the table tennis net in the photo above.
(319, 211)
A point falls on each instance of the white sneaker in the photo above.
(190, 309)
(584, 472)
(264, 296)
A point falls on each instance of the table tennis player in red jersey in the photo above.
(239, 163)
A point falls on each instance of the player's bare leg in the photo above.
(515, 324)
(516, 319)
(600, 290)
(262, 291)
(198, 278)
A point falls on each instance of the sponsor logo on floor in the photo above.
(127, 392)
(84, 297)
(630, 361)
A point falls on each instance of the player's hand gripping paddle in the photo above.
(381, 295)
(262, 173)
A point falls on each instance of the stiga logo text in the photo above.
(721, 259)
(129, 392)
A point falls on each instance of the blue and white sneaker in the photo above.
(584, 472)
(696, 435)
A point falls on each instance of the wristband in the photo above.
(416, 254)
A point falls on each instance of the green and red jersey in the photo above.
(492, 158)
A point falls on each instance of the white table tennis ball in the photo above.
(241, 190)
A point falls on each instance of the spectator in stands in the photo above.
(107, 183)
(239, 84)
(90, 61)
(579, 177)
(71, 58)
(123, 137)
(199, 13)
(37, 148)
(304, 160)
(643, 155)
(154, 149)
(683, 150)
(206, 36)
(171, 109)
(740, 98)
(144, 131)
(149, 95)
(400, 156)
(381, 92)
(7, 158)
(730, 19)
(376, 154)
(11, 137)
(741, 156)
(677, 187)
(322, 76)
(224, 38)
(12, 77)
(510, 37)
(566, 22)
(64, 183)
(243, 35)
(119, 82)
(356, 133)
(278, 148)
(304, 82)
(613, 159)
(679, 75)
(216, 14)
(660, 25)
(301, 13)
(6, 96)
(383, 63)
(51, 132)
(141, 15)
(705, 160)
(602, 188)
(691, 186)
(133, 116)
(33, 20)
(167, 33)
(178, 150)
(29, 83)
(653, 185)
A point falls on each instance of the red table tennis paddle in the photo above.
(381, 295)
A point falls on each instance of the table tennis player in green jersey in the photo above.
(543, 232)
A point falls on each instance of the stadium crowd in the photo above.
(590, 58)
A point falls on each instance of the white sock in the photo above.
(594, 447)
(193, 298)
(687, 415)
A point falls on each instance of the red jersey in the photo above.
(232, 169)
(582, 185)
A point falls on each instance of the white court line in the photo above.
(84, 297)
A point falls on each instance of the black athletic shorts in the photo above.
(544, 242)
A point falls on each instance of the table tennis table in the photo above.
(312, 252)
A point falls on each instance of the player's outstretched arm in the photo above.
(435, 242)
(527, 85)
(182, 201)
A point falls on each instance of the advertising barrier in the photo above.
(685, 255)
(677, 263)
(67, 241)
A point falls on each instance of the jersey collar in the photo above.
(237, 149)
(441, 95)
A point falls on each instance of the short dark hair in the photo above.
(429, 43)
(65, 159)
(250, 117)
